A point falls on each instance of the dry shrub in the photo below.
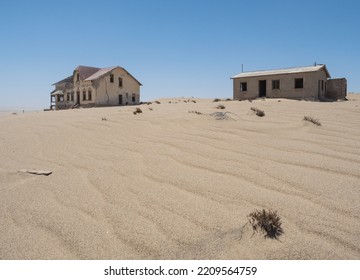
(228, 99)
(220, 106)
(313, 120)
(258, 112)
(150, 108)
(266, 221)
(196, 112)
(157, 102)
(216, 100)
(137, 111)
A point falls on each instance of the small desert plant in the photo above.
(313, 120)
(157, 102)
(228, 99)
(258, 112)
(137, 111)
(196, 112)
(150, 108)
(103, 119)
(267, 222)
(194, 101)
(220, 106)
(216, 100)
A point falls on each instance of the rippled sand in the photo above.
(169, 184)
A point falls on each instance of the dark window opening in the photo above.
(111, 78)
(89, 94)
(276, 84)
(72, 96)
(77, 77)
(322, 85)
(120, 82)
(84, 95)
(133, 97)
(243, 86)
(299, 83)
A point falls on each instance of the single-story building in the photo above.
(91, 86)
(310, 83)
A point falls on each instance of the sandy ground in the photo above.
(169, 184)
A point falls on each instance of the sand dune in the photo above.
(169, 184)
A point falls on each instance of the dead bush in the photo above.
(258, 112)
(196, 112)
(137, 111)
(220, 106)
(313, 120)
(216, 100)
(157, 102)
(267, 222)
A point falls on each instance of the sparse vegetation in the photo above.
(228, 99)
(151, 109)
(196, 112)
(220, 106)
(103, 119)
(157, 102)
(216, 100)
(266, 221)
(137, 111)
(258, 112)
(313, 120)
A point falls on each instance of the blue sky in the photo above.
(175, 48)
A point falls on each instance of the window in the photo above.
(322, 85)
(77, 77)
(133, 97)
(72, 96)
(84, 94)
(299, 83)
(127, 95)
(243, 86)
(89, 94)
(276, 84)
(120, 82)
(68, 96)
(111, 78)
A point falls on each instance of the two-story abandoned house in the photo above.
(91, 86)
(310, 82)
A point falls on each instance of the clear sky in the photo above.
(174, 48)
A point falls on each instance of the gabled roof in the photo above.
(283, 71)
(101, 72)
(64, 81)
(86, 71)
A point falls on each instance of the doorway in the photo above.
(262, 88)
(78, 97)
(120, 99)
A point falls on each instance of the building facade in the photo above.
(309, 83)
(91, 87)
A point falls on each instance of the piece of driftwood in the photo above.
(36, 172)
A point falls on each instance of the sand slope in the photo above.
(169, 184)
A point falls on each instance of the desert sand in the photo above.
(169, 184)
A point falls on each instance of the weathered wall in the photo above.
(336, 89)
(312, 88)
(107, 93)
